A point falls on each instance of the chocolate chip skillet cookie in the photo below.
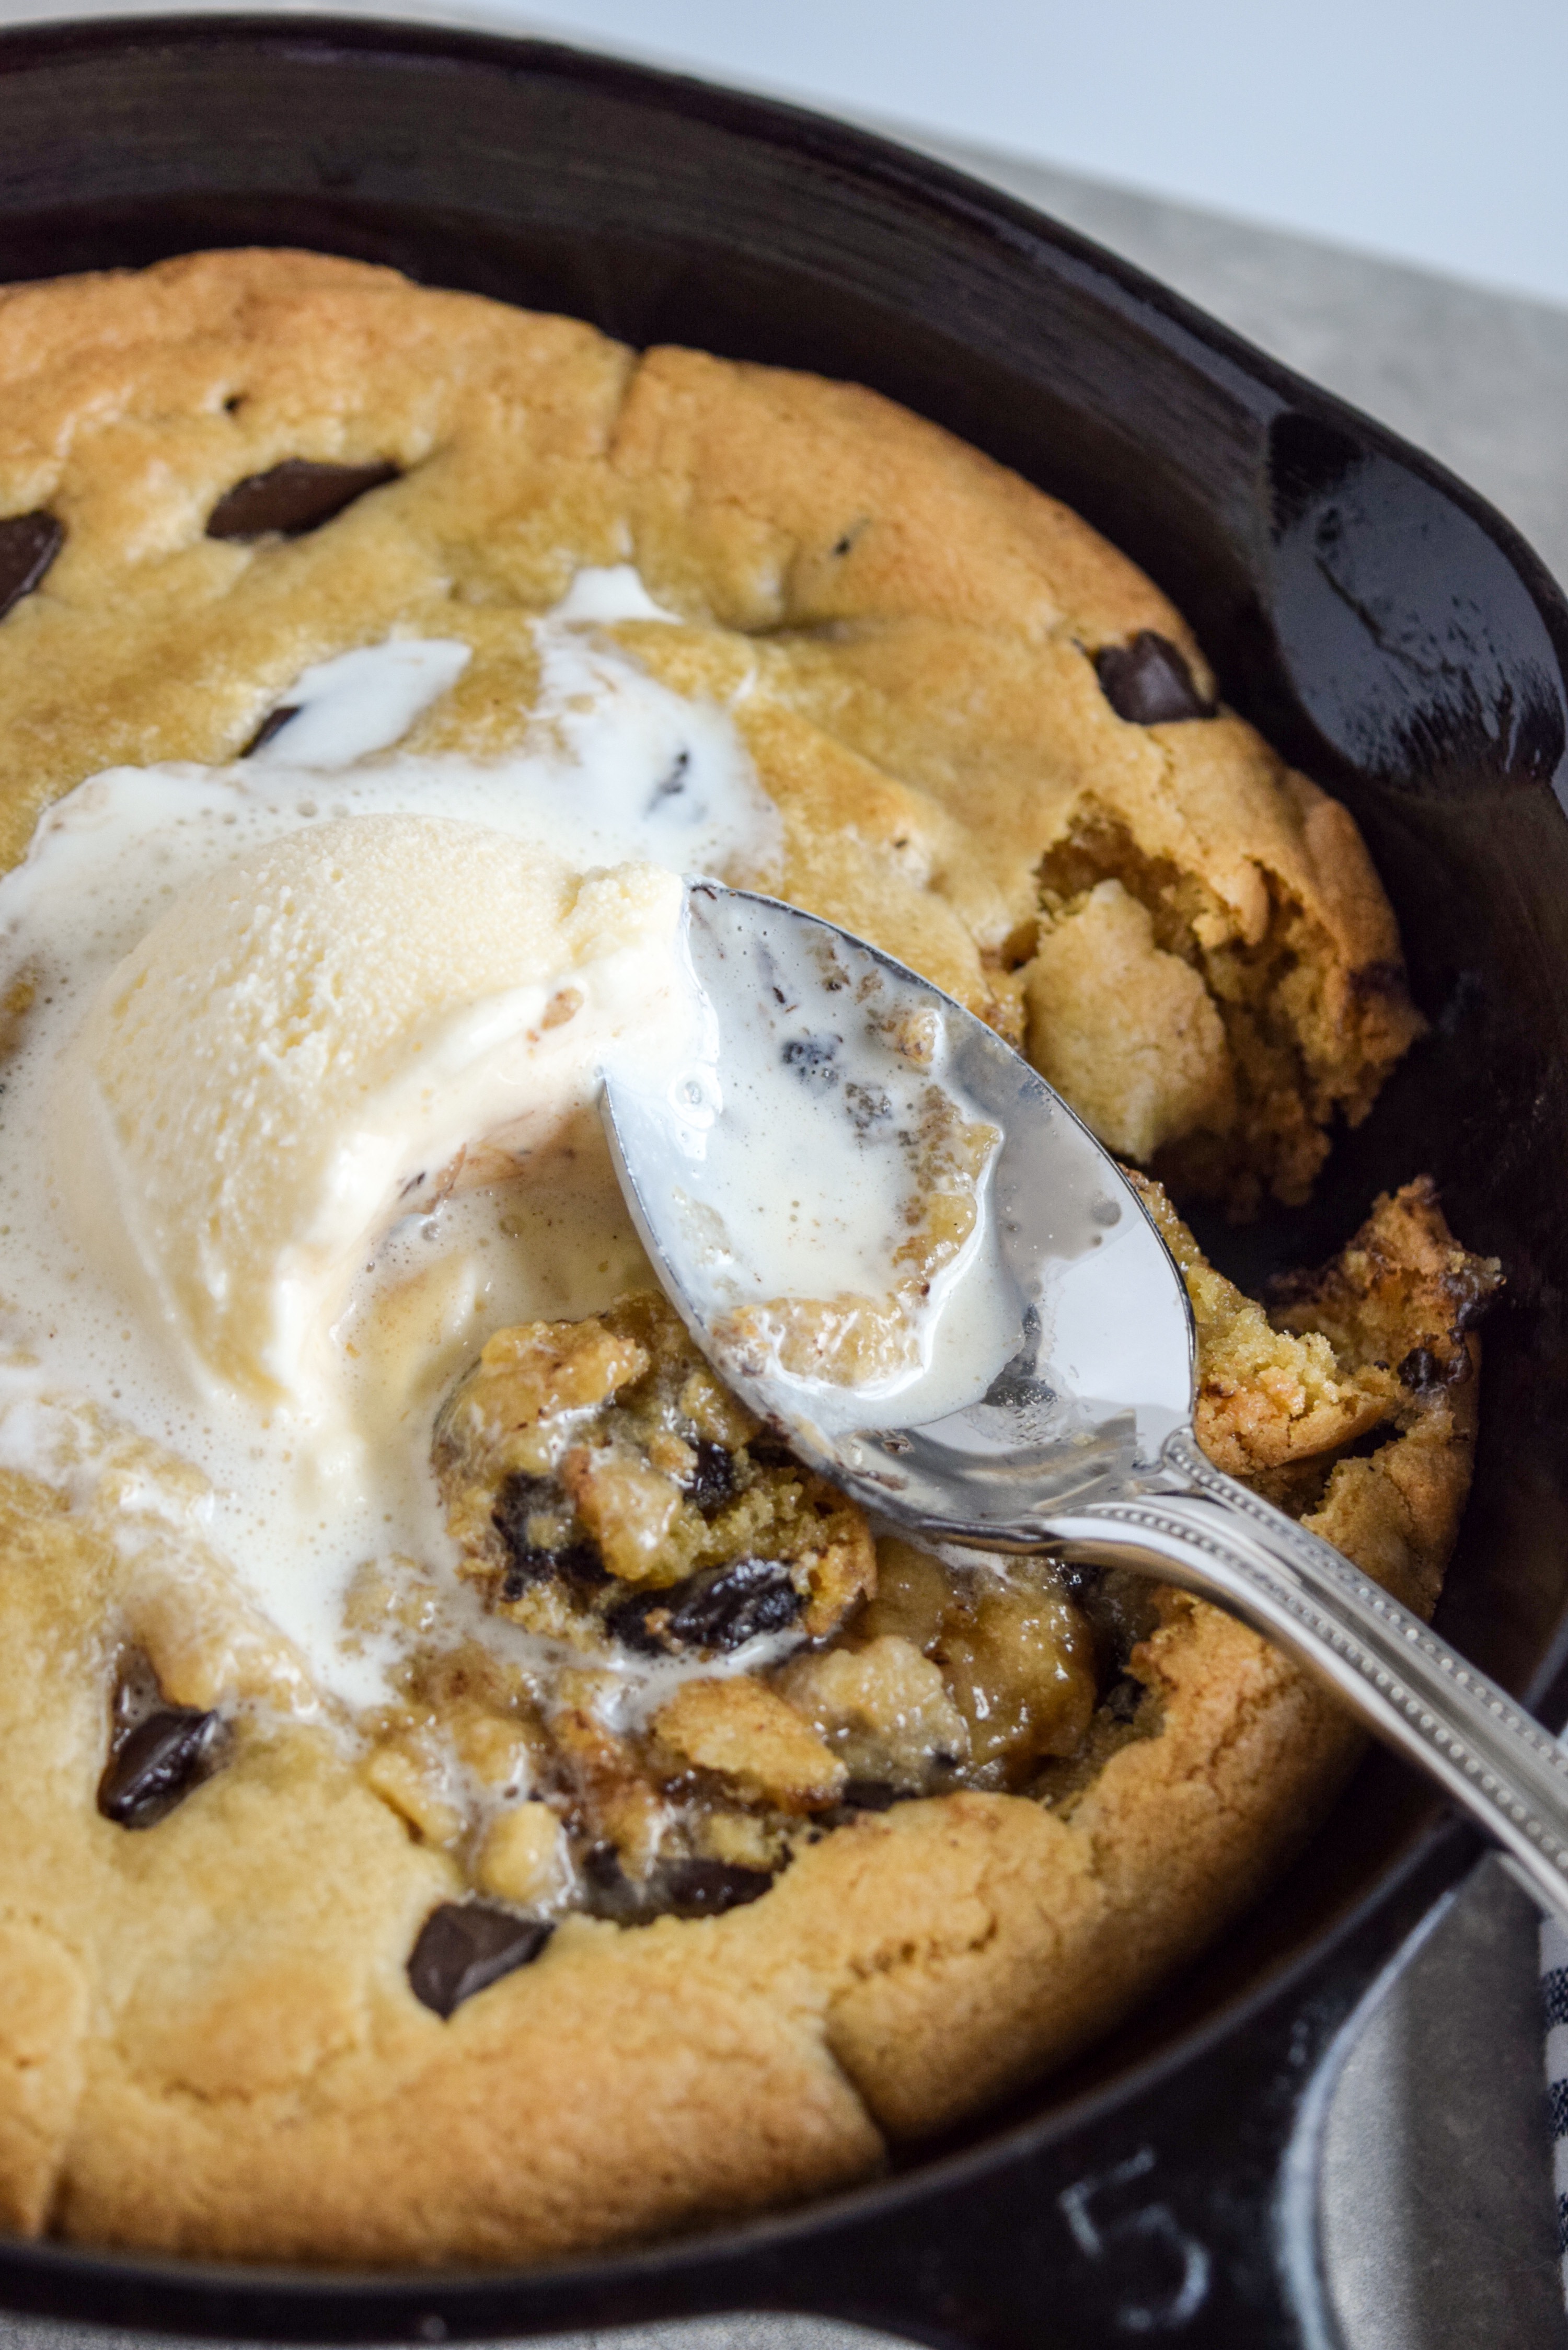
(471, 1794)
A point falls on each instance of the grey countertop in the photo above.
(1480, 379)
(1437, 2205)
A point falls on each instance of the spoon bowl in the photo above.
(1059, 1352)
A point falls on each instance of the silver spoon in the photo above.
(1056, 1412)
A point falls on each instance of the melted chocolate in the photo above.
(720, 1609)
(608, 1892)
(577, 1561)
(704, 1888)
(713, 1481)
(1426, 1373)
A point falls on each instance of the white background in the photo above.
(1430, 130)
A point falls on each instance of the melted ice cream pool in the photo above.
(298, 1493)
(851, 1274)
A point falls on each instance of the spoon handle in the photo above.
(1419, 1694)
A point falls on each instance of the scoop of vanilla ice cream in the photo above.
(306, 1037)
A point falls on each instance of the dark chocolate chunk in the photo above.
(28, 544)
(704, 1888)
(524, 1565)
(713, 1479)
(723, 1608)
(771, 1451)
(273, 723)
(1384, 980)
(154, 1764)
(811, 1057)
(868, 1796)
(1123, 1697)
(682, 1889)
(577, 1561)
(1148, 682)
(526, 1562)
(602, 1868)
(1362, 1448)
(293, 497)
(641, 1622)
(1426, 1373)
(860, 1795)
(464, 1946)
(608, 1892)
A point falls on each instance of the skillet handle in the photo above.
(1405, 1683)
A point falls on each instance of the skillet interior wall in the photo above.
(1375, 630)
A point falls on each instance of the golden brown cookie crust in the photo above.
(915, 630)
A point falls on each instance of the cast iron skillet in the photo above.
(1380, 624)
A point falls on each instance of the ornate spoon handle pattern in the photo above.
(1212, 1536)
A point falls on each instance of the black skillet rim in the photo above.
(860, 153)
(317, 2304)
